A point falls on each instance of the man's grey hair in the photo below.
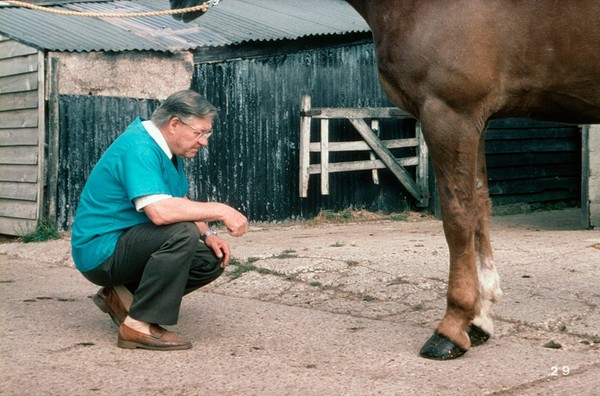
(184, 105)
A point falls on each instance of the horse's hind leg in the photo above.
(453, 141)
(482, 326)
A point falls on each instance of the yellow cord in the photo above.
(202, 7)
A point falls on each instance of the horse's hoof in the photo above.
(477, 335)
(440, 347)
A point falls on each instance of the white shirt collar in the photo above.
(155, 133)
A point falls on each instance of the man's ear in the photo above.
(173, 124)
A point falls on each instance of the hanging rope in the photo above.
(202, 7)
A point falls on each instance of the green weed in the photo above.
(240, 268)
(44, 232)
(399, 216)
(288, 253)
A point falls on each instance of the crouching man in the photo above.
(136, 234)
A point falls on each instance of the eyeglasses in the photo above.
(200, 133)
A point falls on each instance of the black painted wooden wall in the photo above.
(533, 162)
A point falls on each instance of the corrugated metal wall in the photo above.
(254, 163)
(88, 125)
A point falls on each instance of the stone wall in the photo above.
(134, 74)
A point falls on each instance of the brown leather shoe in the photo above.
(158, 339)
(108, 301)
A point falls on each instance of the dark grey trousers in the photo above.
(159, 265)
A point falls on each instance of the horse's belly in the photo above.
(572, 103)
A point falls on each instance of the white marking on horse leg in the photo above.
(489, 293)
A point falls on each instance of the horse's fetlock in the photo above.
(466, 304)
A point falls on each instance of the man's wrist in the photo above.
(207, 234)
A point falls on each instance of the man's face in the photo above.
(190, 135)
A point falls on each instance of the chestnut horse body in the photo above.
(455, 64)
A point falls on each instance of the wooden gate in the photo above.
(380, 154)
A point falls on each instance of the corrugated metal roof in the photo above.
(230, 22)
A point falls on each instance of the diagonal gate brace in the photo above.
(386, 156)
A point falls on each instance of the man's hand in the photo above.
(220, 247)
(236, 223)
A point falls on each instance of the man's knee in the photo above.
(184, 237)
(208, 264)
(186, 229)
(202, 274)
(217, 271)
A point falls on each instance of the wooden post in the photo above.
(422, 168)
(325, 156)
(594, 174)
(304, 145)
(41, 124)
(53, 139)
(374, 172)
(590, 176)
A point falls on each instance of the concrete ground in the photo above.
(319, 309)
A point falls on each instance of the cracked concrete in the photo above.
(313, 309)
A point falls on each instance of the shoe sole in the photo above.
(104, 308)
(133, 345)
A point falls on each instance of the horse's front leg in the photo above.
(482, 326)
(453, 141)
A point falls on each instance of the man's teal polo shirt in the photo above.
(133, 166)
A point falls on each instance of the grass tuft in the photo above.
(403, 216)
(44, 232)
(288, 253)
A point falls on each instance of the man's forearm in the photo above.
(176, 210)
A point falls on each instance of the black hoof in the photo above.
(477, 335)
(440, 347)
